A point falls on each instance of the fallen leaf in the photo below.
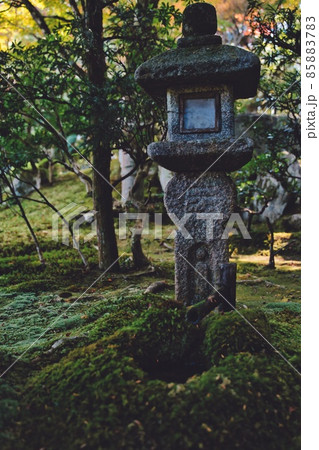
(206, 427)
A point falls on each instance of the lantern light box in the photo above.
(199, 113)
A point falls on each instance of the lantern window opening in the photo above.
(199, 112)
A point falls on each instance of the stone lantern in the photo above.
(200, 80)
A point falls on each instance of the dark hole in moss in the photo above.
(65, 294)
(174, 371)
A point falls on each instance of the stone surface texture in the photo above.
(206, 65)
(199, 20)
(179, 156)
(198, 41)
(212, 193)
(226, 113)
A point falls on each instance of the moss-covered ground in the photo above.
(109, 367)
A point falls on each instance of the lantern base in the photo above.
(204, 206)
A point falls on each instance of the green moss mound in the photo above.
(103, 395)
(160, 335)
(8, 410)
(230, 333)
(285, 307)
(286, 331)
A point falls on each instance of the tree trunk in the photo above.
(103, 205)
(102, 192)
(86, 180)
(137, 199)
(139, 259)
(271, 264)
(50, 172)
(127, 164)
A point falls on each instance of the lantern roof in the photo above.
(200, 59)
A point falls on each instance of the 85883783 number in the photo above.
(310, 47)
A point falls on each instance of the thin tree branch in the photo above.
(128, 174)
(50, 205)
(75, 9)
(25, 218)
(25, 198)
(37, 16)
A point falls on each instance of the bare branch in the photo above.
(37, 16)
(25, 218)
(75, 9)
(128, 174)
(50, 205)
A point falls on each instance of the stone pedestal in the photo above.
(208, 202)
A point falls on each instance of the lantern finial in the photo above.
(199, 19)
